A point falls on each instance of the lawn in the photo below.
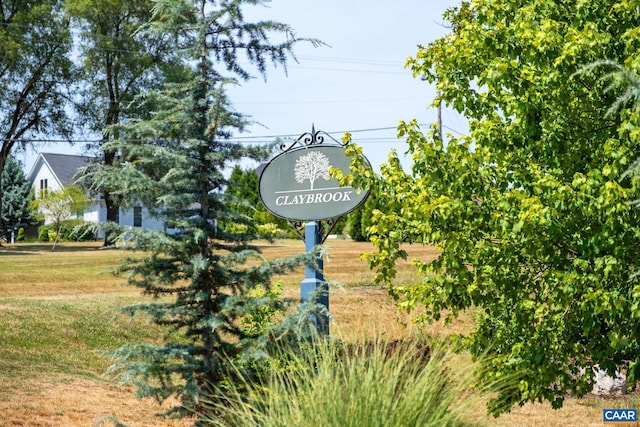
(58, 314)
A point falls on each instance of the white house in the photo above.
(54, 171)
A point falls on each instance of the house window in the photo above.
(43, 185)
(137, 216)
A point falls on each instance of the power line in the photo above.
(296, 135)
(346, 101)
(359, 61)
(327, 59)
(343, 70)
(256, 139)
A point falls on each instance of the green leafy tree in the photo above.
(354, 223)
(175, 160)
(341, 225)
(243, 184)
(56, 206)
(17, 196)
(35, 72)
(536, 232)
(119, 61)
(243, 191)
(359, 221)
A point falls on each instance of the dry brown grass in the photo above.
(66, 400)
(53, 401)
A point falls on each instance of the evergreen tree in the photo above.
(199, 269)
(17, 195)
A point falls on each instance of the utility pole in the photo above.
(440, 120)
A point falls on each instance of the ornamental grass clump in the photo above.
(360, 385)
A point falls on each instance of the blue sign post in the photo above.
(297, 185)
(313, 287)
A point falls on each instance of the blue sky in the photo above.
(358, 82)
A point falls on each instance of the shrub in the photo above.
(270, 230)
(21, 234)
(258, 321)
(379, 384)
(77, 230)
(237, 228)
(73, 230)
(43, 234)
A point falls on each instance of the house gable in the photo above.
(59, 170)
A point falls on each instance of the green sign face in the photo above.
(296, 185)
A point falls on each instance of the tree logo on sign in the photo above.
(312, 166)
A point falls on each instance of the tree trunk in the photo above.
(113, 215)
(112, 204)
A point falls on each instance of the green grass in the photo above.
(61, 336)
(59, 311)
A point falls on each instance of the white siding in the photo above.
(44, 173)
(93, 213)
(148, 222)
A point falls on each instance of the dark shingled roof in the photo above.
(66, 166)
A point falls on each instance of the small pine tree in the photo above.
(16, 198)
(199, 269)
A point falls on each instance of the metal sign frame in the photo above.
(310, 140)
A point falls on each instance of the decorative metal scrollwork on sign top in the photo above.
(309, 139)
(325, 227)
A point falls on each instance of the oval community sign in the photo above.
(296, 185)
